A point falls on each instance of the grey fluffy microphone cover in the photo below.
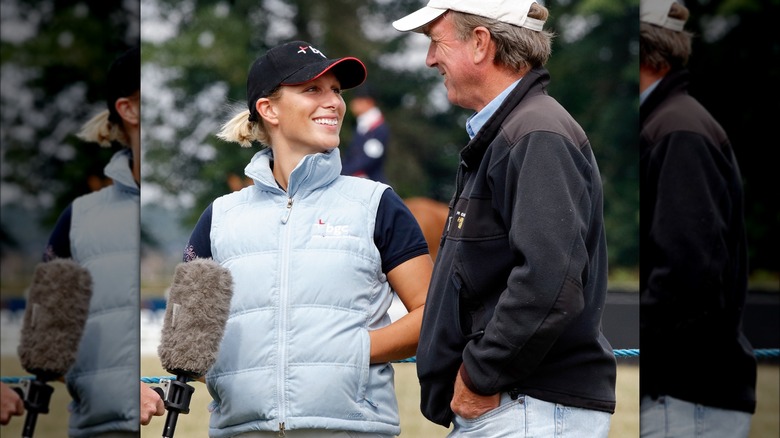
(54, 317)
(195, 316)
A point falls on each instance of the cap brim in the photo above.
(350, 72)
(417, 19)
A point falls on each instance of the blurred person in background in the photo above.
(698, 370)
(511, 342)
(366, 153)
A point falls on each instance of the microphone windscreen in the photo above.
(195, 317)
(54, 317)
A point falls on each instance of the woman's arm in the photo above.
(399, 340)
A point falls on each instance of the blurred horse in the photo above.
(431, 215)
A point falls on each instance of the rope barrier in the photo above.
(760, 353)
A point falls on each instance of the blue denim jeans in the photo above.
(531, 417)
(313, 433)
(669, 417)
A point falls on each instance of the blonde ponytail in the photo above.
(102, 131)
(242, 131)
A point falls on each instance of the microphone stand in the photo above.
(36, 395)
(176, 394)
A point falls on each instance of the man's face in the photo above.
(453, 59)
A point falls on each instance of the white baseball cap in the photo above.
(507, 11)
(657, 12)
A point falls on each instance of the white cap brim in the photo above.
(417, 19)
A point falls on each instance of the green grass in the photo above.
(625, 422)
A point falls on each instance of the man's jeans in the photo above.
(530, 417)
(669, 417)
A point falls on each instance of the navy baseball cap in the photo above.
(124, 79)
(294, 63)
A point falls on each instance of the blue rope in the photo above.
(760, 353)
(763, 353)
(630, 352)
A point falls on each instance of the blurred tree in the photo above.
(730, 45)
(196, 54)
(55, 55)
(595, 75)
(203, 78)
(199, 57)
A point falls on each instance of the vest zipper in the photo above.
(281, 339)
(286, 215)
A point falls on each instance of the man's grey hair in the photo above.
(516, 47)
(660, 48)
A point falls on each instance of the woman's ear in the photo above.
(267, 110)
(129, 109)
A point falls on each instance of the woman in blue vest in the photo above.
(100, 231)
(315, 258)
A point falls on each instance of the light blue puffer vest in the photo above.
(105, 239)
(308, 286)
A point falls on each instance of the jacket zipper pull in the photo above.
(281, 429)
(286, 216)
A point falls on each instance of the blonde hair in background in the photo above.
(102, 131)
(661, 48)
(516, 47)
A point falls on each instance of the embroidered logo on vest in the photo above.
(324, 229)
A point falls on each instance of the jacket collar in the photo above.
(119, 169)
(675, 82)
(534, 82)
(313, 172)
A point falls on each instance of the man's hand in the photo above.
(10, 404)
(470, 405)
(151, 404)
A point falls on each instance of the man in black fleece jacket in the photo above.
(512, 329)
(697, 369)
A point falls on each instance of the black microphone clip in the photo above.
(176, 395)
(36, 394)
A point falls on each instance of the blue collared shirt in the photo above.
(477, 120)
(643, 95)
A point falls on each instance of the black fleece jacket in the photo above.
(520, 280)
(693, 255)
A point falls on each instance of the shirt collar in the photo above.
(477, 120)
(648, 90)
